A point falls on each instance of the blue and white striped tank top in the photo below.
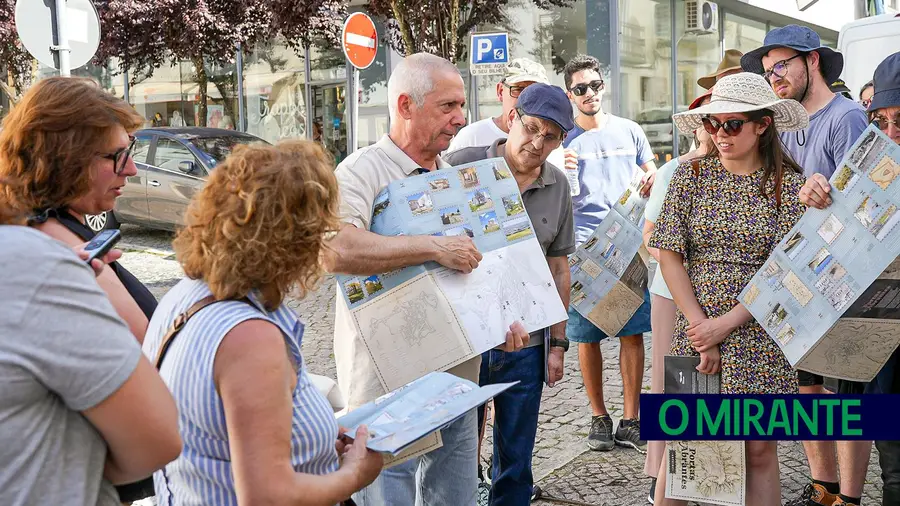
(202, 473)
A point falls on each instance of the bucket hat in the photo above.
(887, 83)
(730, 63)
(745, 92)
(802, 40)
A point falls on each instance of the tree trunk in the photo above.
(453, 31)
(403, 24)
(203, 88)
(228, 95)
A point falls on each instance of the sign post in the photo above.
(360, 43)
(62, 34)
(489, 53)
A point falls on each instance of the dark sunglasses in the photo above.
(580, 89)
(882, 123)
(731, 126)
(120, 157)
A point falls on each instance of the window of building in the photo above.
(645, 88)
(742, 33)
(274, 92)
(698, 55)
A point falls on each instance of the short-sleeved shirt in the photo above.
(361, 177)
(651, 213)
(64, 350)
(480, 133)
(832, 131)
(607, 159)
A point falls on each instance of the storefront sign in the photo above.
(489, 53)
(360, 40)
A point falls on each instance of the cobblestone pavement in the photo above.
(563, 466)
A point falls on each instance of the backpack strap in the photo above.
(182, 319)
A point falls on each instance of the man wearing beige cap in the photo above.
(730, 64)
(519, 74)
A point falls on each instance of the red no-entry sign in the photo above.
(360, 40)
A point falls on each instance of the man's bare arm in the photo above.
(357, 251)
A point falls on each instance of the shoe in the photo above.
(600, 437)
(652, 494)
(484, 493)
(629, 434)
(815, 495)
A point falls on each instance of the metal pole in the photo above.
(239, 64)
(62, 40)
(307, 95)
(353, 108)
(674, 77)
(615, 58)
(127, 87)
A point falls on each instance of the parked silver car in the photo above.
(172, 165)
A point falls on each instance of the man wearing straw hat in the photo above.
(798, 66)
(730, 64)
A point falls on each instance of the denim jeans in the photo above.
(448, 475)
(515, 421)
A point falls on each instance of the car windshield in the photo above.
(218, 148)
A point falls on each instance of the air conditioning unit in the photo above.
(701, 16)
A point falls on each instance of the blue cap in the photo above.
(801, 39)
(887, 84)
(547, 102)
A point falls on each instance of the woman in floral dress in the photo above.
(724, 215)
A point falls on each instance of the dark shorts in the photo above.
(580, 330)
(833, 385)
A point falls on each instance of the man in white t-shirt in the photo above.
(520, 73)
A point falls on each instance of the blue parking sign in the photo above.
(489, 53)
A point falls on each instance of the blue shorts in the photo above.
(580, 330)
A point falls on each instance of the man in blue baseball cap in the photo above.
(799, 67)
(537, 125)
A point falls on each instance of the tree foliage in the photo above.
(13, 56)
(442, 26)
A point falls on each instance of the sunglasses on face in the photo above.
(780, 69)
(580, 89)
(882, 122)
(865, 103)
(731, 126)
(515, 91)
(120, 157)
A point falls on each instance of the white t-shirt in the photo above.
(480, 133)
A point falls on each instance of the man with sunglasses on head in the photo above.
(519, 74)
(605, 151)
(798, 67)
(537, 126)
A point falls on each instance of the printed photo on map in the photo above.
(797, 289)
(785, 334)
(512, 204)
(625, 196)
(885, 172)
(831, 228)
(591, 268)
(382, 203)
(354, 290)
(608, 251)
(845, 179)
(489, 222)
(576, 286)
(840, 297)
(820, 261)
(776, 316)
(438, 182)
(589, 246)
(468, 177)
(517, 228)
(373, 285)
(794, 245)
(451, 215)
(872, 154)
(613, 230)
(867, 212)
(773, 273)
(573, 259)
(420, 203)
(463, 230)
(480, 200)
(752, 294)
(885, 223)
(501, 172)
(577, 298)
(828, 279)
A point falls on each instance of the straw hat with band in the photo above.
(741, 93)
(730, 63)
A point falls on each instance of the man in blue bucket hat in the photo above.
(799, 67)
(884, 112)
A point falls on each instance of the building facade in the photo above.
(651, 51)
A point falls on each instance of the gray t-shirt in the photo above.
(831, 132)
(63, 350)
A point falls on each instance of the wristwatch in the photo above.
(559, 343)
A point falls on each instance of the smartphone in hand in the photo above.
(101, 244)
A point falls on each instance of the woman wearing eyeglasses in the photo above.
(884, 112)
(65, 150)
(723, 215)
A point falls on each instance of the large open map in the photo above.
(608, 275)
(428, 318)
(830, 295)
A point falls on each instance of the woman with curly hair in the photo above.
(255, 430)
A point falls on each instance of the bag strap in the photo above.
(182, 319)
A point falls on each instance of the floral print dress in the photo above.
(726, 230)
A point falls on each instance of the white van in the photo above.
(865, 43)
